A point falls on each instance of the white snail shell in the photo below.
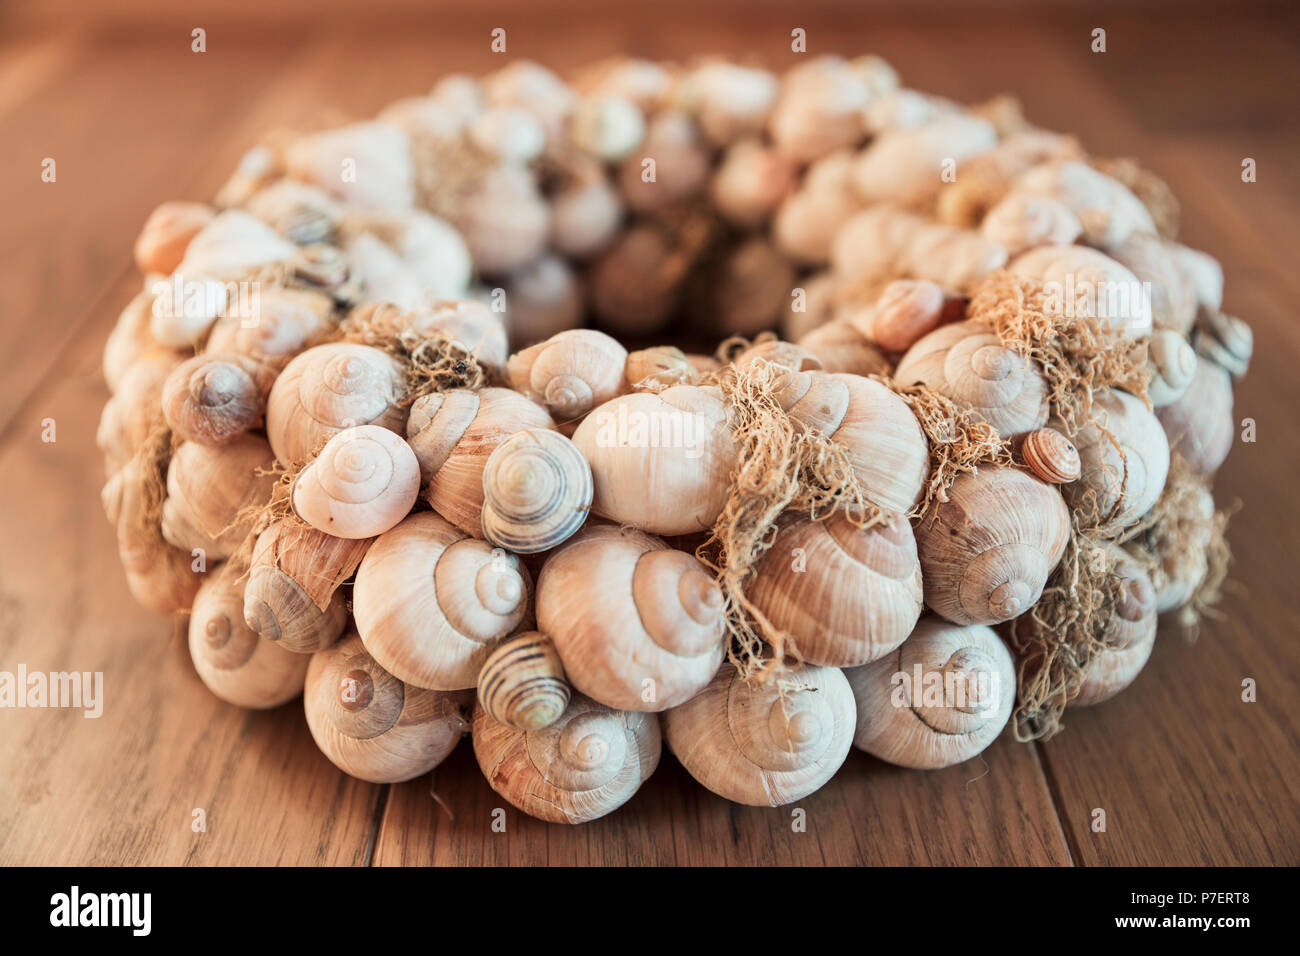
(1130, 636)
(1101, 287)
(1172, 361)
(364, 481)
(1199, 423)
(570, 373)
(757, 746)
(207, 488)
(537, 491)
(379, 153)
(289, 320)
(1021, 222)
(1108, 212)
(959, 705)
(522, 683)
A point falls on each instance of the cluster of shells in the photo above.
(517, 561)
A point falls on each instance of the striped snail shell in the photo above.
(755, 745)
(987, 551)
(522, 683)
(430, 603)
(329, 388)
(967, 362)
(847, 595)
(571, 372)
(536, 491)
(371, 725)
(212, 399)
(638, 625)
(208, 487)
(1051, 456)
(364, 481)
(1199, 423)
(939, 699)
(1130, 634)
(586, 764)
(1129, 478)
(234, 662)
(1172, 362)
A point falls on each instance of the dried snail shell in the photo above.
(570, 373)
(786, 354)
(288, 321)
(213, 399)
(586, 764)
(907, 310)
(371, 725)
(542, 299)
(208, 487)
(476, 327)
(1108, 211)
(380, 153)
(1051, 456)
(902, 165)
(658, 368)
(1199, 424)
(537, 490)
(166, 234)
(1172, 362)
(129, 340)
(638, 625)
(842, 348)
(751, 288)
(987, 551)
(1172, 296)
(1091, 285)
(585, 217)
(941, 698)
(1225, 340)
(133, 412)
(846, 595)
(431, 603)
(297, 211)
(1021, 222)
(758, 746)
(522, 683)
(364, 481)
(233, 246)
(1131, 634)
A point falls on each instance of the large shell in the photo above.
(537, 491)
(213, 399)
(234, 662)
(1086, 283)
(329, 388)
(638, 625)
(453, 433)
(846, 595)
(364, 481)
(660, 462)
(570, 373)
(1107, 210)
(367, 165)
(233, 245)
(587, 764)
(967, 362)
(820, 108)
(758, 746)
(1199, 423)
(208, 487)
(1172, 291)
(522, 683)
(842, 347)
(1131, 634)
(430, 603)
(288, 321)
(476, 327)
(133, 411)
(941, 698)
(905, 165)
(987, 551)
(371, 725)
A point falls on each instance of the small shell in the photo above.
(1199, 424)
(542, 299)
(903, 165)
(522, 683)
(364, 481)
(166, 234)
(1051, 456)
(884, 241)
(287, 321)
(587, 764)
(301, 213)
(536, 491)
(585, 217)
(570, 373)
(786, 354)
(234, 245)
(214, 398)
(1173, 366)
(371, 725)
(820, 108)
(476, 327)
(759, 746)
(906, 310)
(1021, 222)
(505, 220)
(129, 339)
(750, 183)
(729, 101)
(1225, 340)
(132, 413)
(680, 170)
(1126, 479)
(1131, 635)
(661, 367)
(609, 128)
(208, 487)
(1108, 211)
(807, 220)
(941, 698)
(844, 349)
(508, 133)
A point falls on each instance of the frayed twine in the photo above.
(432, 360)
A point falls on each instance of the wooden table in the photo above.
(1186, 771)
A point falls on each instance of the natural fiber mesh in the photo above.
(432, 360)
(149, 470)
(1150, 189)
(257, 517)
(782, 465)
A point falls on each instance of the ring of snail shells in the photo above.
(1126, 479)
(371, 725)
(570, 373)
(453, 434)
(537, 491)
(365, 480)
(987, 551)
(586, 764)
(660, 462)
(430, 603)
(522, 683)
(954, 696)
(208, 487)
(1051, 456)
(329, 388)
(211, 399)
(1199, 423)
(967, 362)
(755, 745)
(233, 662)
(1172, 362)
(638, 625)
(1130, 635)
(846, 595)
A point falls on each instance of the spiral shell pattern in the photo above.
(211, 399)
(522, 683)
(1051, 456)
(365, 480)
(537, 490)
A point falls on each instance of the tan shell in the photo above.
(663, 366)
(728, 100)
(453, 433)
(297, 211)
(587, 764)
(1132, 635)
(1172, 293)
(371, 725)
(231, 659)
(1199, 424)
(522, 683)
(505, 221)
(841, 348)
(167, 232)
(1090, 284)
(989, 548)
(786, 354)
(1136, 470)
(570, 373)
(365, 480)
(955, 694)
(750, 183)
(208, 487)
(606, 127)
(542, 299)
(753, 745)
(537, 491)
(1173, 366)
(820, 108)
(585, 217)
(472, 324)
(681, 169)
(1051, 456)
(288, 321)
(845, 595)
(135, 408)
(1107, 210)
(807, 220)
(638, 625)
(1021, 222)
(329, 388)
(213, 399)
(812, 305)
(904, 165)
(751, 288)
(430, 603)
(906, 310)
(234, 245)
(129, 339)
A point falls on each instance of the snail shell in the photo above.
(808, 219)
(1135, 471)
(585, 217)
(751, 288)
(750, 183)
(842, 348)
(1172, 293)
(288, 321)
(453, 433)
(846, 595)
(1131, 635)
(537, 491)
(812, 308)
(608, 127)
(231, 659)
(570, 373)
(906, 311)
(955, 694)
(166, 234)
(543, 298)
(967, 362)
(902, 165)
(682, 164)
(430, 603)
(638, 625)
(379, 154)
(754, 745)
(509, 134)
(213, 399)
(132, 413)
(660, 462)
(1173, 366)
(364, 481)
(1199, 423)
(233, 245)
(476, 327)
(1107, 210)
(129, 340)
(663, 366)
(728, 100)
(586, 764)
(819, 109)
(522, 683)
(329, 388)
(504, 220)
(1101, 287)
(301, 213)
(207, 488)
(1051, 456)
(633, 285)
(1225, 340)
(1021, 222)
(987, 551)
(371, 725)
